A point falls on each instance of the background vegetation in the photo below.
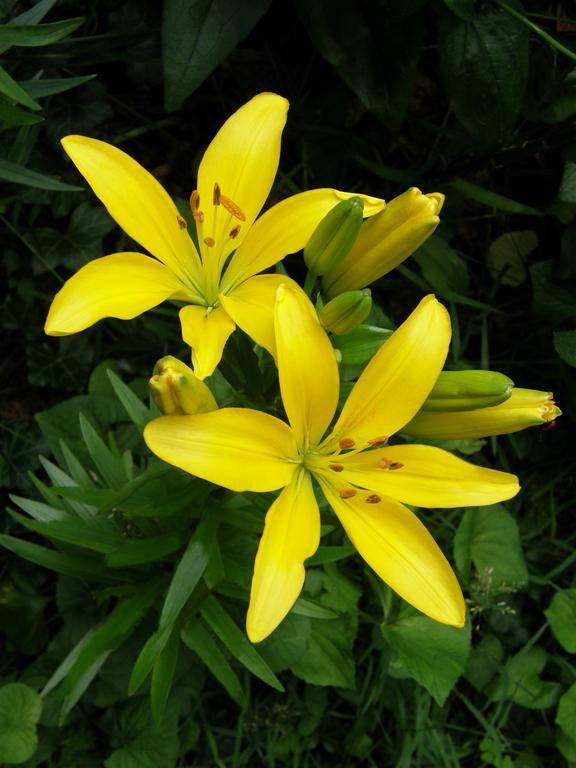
(474, 99)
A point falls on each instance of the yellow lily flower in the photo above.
(386, 241)
(220, 284)
(524, 408)
(364, 480)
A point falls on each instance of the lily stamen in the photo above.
(347, 493)
(373, 499)
(209, 242)
(231, 207)
(375, 442)
(181, 222)
(346, 443)
(336, 467)
(216, 194)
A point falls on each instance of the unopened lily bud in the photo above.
(524, 408)
(385, 240)
(346, 312)
(334, 236)
(176, 390)
(361, 344)
(468, 390)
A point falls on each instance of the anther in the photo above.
(347, 493)
(181, 222)
(336, 467)
(209, 241)
(216, 194)
(396, 465)
(376, 441)
(231, 207)
(373, 499)
(234, 231)
(194, 201)
(199, 216)
(389, 464)
(346, 443)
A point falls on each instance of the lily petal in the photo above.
(291, 534)
(238, 448)
(307, 367)
(206, 330)
(427, 477)
(398, 547)
(138, 203)
(122, 285)
(286, 228)
(398, 379)
(242, 160)
(251, 306)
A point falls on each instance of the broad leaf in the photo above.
(20, 709)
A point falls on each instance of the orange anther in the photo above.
(199, 216)
(396, 465)
(336, 467)
(194, 200)
(209, 241)
(347, 493)
(346, 443)
(216, 194)
(181, 222)
(234, 231)
(231, 207)
(380, 440)
(386, 463)
(373, 499)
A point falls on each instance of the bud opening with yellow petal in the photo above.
(176, 390)
(386, 240)
(347, 311)
(468, 390)
(524, 408)
(334, 236)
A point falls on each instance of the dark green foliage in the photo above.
(124, 583)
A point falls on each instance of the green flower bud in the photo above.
(176, 390)
(359, 346)
(345, 312)
(468, 390)
(334, 236)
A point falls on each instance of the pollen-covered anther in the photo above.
(336, 467)
(199, 216)
(347, 493)
(194, 201)
(396, 465)
(389, 464)
(234, 231)
(377, 441)
(216, 194)
(373, 499)
(209, 241)
(181, 222)
(346, 443)
(232, 208)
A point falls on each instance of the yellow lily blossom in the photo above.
(220, 282)
(386, 240)
(365, 481)
(524, 408)
(176, 389)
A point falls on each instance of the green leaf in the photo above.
(139, 743)
(39, 89)
(189, 570)
(566, 715)
(12, 90)
(520, 681)
(12, 116)
(74, 531)
(115, 629)
(31, 36)
(20, 709)
(135, 408)
(561, 614)
(489, 538)
(17, 174)
(484, 66)
(565, 345)
(147, 657)
(485, 662)
(442, 267)
(433, 654)
(551, 300)
(148, 550)
(108, 464)
(508, 255)
(163, 675)
(492, 199)
(31, 16)
(197, 36)
(38, 510)
(465, 9)
(81, 567)
(237, 642)
(373, 47)
(203, 643)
